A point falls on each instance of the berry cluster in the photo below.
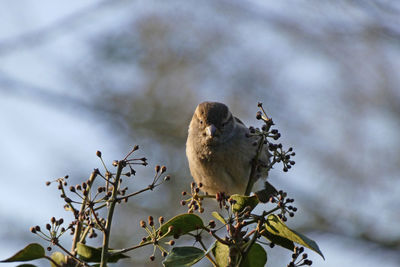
(99, 191)
(155, 236)
(54, 229)
(280, 155)
(295, 258)
(284, 204)
(195, 201)
(275, 151)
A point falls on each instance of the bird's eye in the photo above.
(201, 122)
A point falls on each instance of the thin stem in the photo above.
(76, 193)
(252, 179)
(100, 207)
(43, 235)
(97, 219)
(252, 241)
(218, 238)
(252, 175)
(208, 256)
(249, 234)
(82, 210)
(206, 196)
(136, 193)
(69, 204)
(114, 199)
(133, 247)
(265, 113)
(265, 213)
(104, 165)
(84, 234)
(71, 255)
(245, 223)
(130, 153)
(52, 261)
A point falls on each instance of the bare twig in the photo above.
(208, 256)
(252, 176)
(82, 210)
(113, 202)
(71, 255)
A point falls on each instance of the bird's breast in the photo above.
(207, 153)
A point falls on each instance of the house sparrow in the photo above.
(220, 154)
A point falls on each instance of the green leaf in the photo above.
(183, 256)
(115, 256)
(91, 254)
(243, 202)
(257, 257)
(218, 216)
(211, 248)
(275, 226)
(221, 254)
(59, 258)
(278, 240)
(30, 252)
(265, 194)
(182, 224)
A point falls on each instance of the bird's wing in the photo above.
(239, 121)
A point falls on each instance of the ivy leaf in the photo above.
(221, 254)
(59, 258)
(243, 202)
(278, 240)
(183, 256)
(218, 216)
(30, 252)
(182, 224)
(265, 194)
(257, 257)
(275, 226)
(91, 254)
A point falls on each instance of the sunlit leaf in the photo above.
(30, 252)
(221, 254)
(243, 202)
(265, 194)
(278, 240)
(275, 226)
(218, 216)
(59, 258)
(91, 254)
(183, 256)
(182, 224)
(257, 257)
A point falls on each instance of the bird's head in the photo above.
(212, 121)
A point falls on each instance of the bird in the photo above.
(220, 150)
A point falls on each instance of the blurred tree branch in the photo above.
(49, 32)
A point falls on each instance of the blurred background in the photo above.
(81, 76)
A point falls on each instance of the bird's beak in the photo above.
(211, 130)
